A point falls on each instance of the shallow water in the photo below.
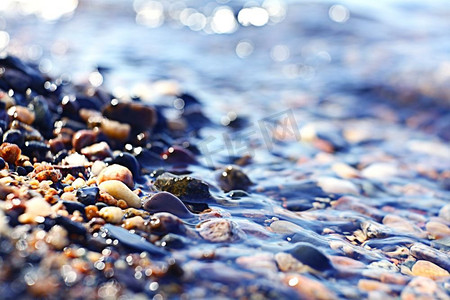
(349, 91)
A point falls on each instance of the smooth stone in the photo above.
(344, 262)
(163, 223)
(88, 195)
(22, 114)
(218, 230)
(287, 263)
(38, 207)
(381, 171)
(233, 178)
(444, 212)
(309, 288)
(345, 171)
(428, 269)
(333, 185)
(83, 138)
(97, 151)
(422, 288)
(71, 226)
(437, 229)
(167, 202)
(137, 115)
(262, 263)
(133, 241)
(72, 206)
(421, 251)
(285, 227)
(119, 190)
(309, 255)
(116, 172)
(177, 155)
(112, 214)
(129, 161)
(184, 187)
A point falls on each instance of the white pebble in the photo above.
(119, 190)
(111, 214)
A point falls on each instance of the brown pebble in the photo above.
(309, 288)
(22, 114)
(83, 138)
(428, 269)
(437, 229)
(116, 172)
(10, 152)
(97, 151)
(368, 285)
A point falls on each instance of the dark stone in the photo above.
(72, 206)
(14, 136)
(132, 241)
(2, 163)
(21, 171)
(138, 115)
(88, 195)
(185, 187)
(233, 178)
(71, 226)
(166, 202)
(173, 241)
(35, 149)
(309, 255)
(180, 156)
(129, 161)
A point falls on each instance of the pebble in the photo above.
(133, 241)
(217, 230)
(97, 151)
(333, 185)
(287, 263)
(421, 251)
(115, 130)
(444, 212)
(119, 190)
(10, 152)
(22, 114)
(116, 172)
(88, 195)
(428, 269)
(38, 207)
(422, 288)
(129, 161)
(184, 187)
(311, 256)
(345, 171)
(137, 115)
(111, 214)
(380, 171)
(309, 288)
(438, 230)
(57, 237)
(233, 178)
(368, 285)
(97, 167)
(166, 202)
(346, 262)
(260, 263)
(83, 138)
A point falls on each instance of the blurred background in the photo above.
(251, 56)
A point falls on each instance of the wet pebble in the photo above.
(309, 288)
(137, 115)
(381, 171)
(111, 214)
(14, 136)
(421, 251)
(22, 114)
(428, 269)
(444, 212)
(119, 190)
(166, 202)
(116, 172)
(337, 186)
(233, 178)
(97, 151)
(88, 195)
(184, 187)
(218, 230)
(133, 241)
(438, 230)
(129, 161)
(311, 256)
(177, 155)
(10, 152)
(422, 288)
(83, 138)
